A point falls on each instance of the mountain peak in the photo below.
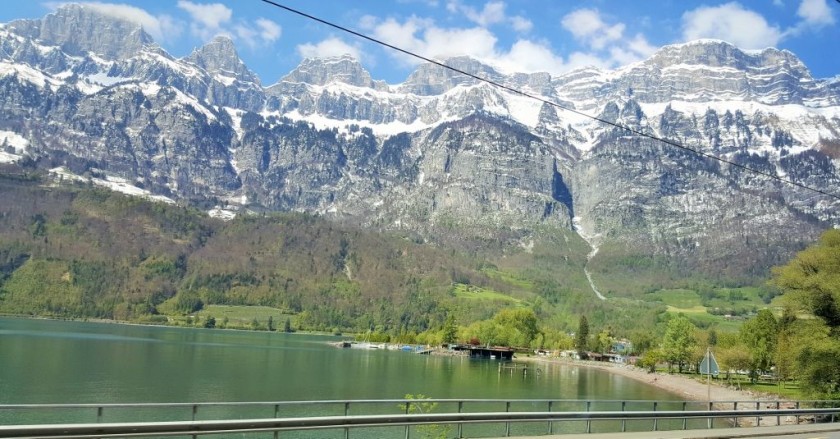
(321, 71)
(432, 79)
(219, 56)
(79, 29)
(718, 53)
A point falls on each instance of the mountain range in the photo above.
(443, 157)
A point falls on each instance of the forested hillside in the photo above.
(79, 251)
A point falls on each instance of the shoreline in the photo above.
(685, 387)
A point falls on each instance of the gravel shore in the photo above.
(690, 389)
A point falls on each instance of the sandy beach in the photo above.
(688, 388)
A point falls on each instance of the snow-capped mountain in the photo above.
(441, 151)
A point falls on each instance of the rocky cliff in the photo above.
(443, 155)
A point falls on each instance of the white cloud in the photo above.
(423, 37)
(493, 12)
(521, 24)
(732, 23)
(211, 19)
(607, 44)
(328, 48)
(208, 19)
(587, 26)
(161, 27)
(269, 30)
(529, 56)
(815, 13)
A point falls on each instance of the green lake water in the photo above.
(51, 362)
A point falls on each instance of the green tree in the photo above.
(678, 342)
(759, 334)
(712, 337)
(811, 280)
(604, 340)
(650, 358)
(287, 325)
(450, 330)
(733, 357)
(818, 370)
(642, 340)
(418, 405)
(518, 325)
(582, 335)
(210, 322)
(271, 324)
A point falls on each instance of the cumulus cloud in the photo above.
(531, 56)
(207, 19)
(733, 23)
(269, 30)
(587, 26)
(328, 48)
(425, 38)
(492, 13)
(521, 24)
(211, 19)
(160, 27)
(815, 13)
(608, 46)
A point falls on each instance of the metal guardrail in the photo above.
(180, 428)
(345, 420)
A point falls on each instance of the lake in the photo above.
(48, 362)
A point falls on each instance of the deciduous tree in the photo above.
(811, 280)
(678, 342)
(759, 334)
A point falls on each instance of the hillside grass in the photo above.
(245, 314)
(471, 292)
(741, 301)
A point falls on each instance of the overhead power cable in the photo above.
(552, 103)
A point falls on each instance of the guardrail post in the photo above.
(685, 420)
(460, 424)
(797, 416)
(735, 408)
(551, 424)
(778, 418)
(758, 418)
(407, 411)
(655, 420)
(588, 421)
(346, 413)
(507, 424)
(99, 414)
(276, 415)
(711, 422)
(623, 421)
(194, 413)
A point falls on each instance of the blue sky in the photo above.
(514, 35)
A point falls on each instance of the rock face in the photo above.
(443, 153)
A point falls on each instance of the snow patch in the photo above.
(523, 109)
(592, 240)
(223, 213)
(28, 74)
(116, 184)
(322, 122)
